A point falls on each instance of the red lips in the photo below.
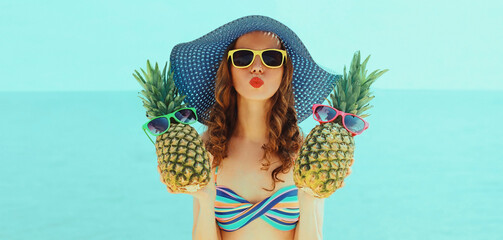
(256, 82)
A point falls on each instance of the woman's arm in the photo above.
(310, 225)
(205, 225)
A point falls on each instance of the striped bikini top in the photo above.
(233, 212)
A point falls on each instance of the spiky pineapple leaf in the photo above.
(351, 93)
(161, 95)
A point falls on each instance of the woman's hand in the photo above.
(207, 192)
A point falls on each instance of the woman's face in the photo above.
(271, 77)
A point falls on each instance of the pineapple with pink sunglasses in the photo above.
(327, 152)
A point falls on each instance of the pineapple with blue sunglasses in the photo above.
(181, 156)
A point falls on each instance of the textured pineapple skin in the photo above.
(182, 159)
(324, 160)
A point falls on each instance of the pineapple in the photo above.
(327, 152)
(181, 156)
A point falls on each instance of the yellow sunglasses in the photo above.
(243, 58)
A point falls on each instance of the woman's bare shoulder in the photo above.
(205, 135)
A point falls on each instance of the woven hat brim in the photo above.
(195, 65)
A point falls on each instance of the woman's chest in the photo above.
(249, 181)
(244, 172)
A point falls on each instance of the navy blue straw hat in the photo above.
(195, 65)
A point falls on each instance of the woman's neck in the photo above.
(252, 123)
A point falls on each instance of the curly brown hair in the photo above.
(284, 137)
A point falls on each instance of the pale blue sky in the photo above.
(96, 45)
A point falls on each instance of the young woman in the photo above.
(264, 82)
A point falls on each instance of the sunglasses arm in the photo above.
(148, 136)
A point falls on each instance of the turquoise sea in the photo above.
(76, 165)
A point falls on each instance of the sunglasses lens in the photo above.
(185, 116)
(272, 58)
(322, 113)
(158, 125)
(353, 123)
(242, 58)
